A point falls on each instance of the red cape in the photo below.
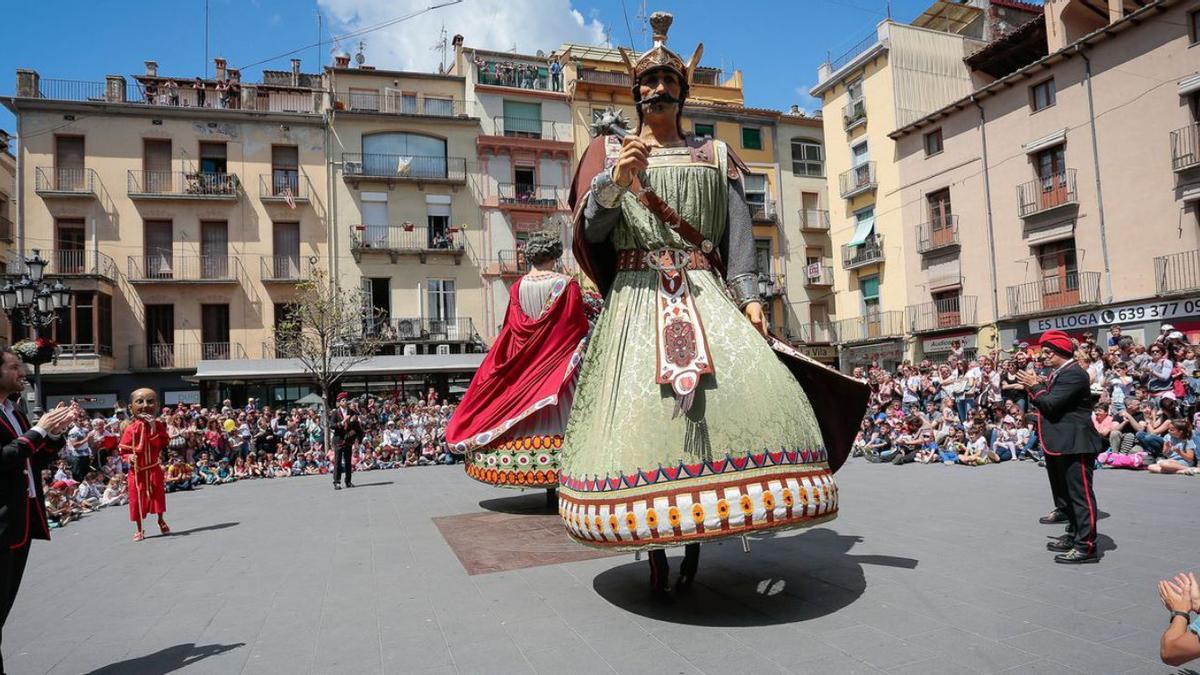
(524, 371)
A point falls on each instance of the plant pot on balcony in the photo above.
(408, 227)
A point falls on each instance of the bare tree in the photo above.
(329, 330)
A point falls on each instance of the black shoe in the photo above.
(1053, 517)
(337, 486)
(349, 484)
(1076, 557)
(1062, 544)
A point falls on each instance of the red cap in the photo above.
(343, 395)
(1058, 341)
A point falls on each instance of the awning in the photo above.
(278, 369)
(865, 227)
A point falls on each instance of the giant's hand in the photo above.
(758, 318)
(634, 158)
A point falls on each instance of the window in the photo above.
(522, 119)
(437, 214)
(439, 107)
(933, 143)
(1194, 26)
(1060, 274)
(285, 170)
(214, 331)
(442, 305)
(854, 91)
(762, 256)
(158, 240)
(947, 305)
(69, 246)
(756, 190)
(212, 157)
(214, 249)
(160, 335)
(285, 240)
(808, 158)
(1042, 95)
(402, 154)
(104, 323)
(704, 130)
(364, 99)
(860, 154)
(752, 138)
(68, 163)
(870, 295)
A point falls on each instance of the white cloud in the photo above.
(487, 24)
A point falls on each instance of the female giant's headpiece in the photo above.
(661, 58)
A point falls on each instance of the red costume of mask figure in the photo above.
(142, 444)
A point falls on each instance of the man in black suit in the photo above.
(1070, 443)
(347, 428)
(24, 451)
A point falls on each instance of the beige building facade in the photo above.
(1068, 186)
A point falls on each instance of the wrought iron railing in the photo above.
(405, 237)
(512, 262)
(854, 113)
(771, 285)
(1185, 147)
(818, 275)
(66, 181)
(403, 167)
(871, 326)
(605, 77)
(285, 268)
(182, 356)
(814, 220)
(397, 103)
(424, 329)
(1177, 273)
(534, 196)
(518, 75)
(857, 180)
(870, 252)
(166, 266)
(854, 51)
(282, 184)
(71, 90)
(520, 127)
(183, 184)
(938, 233)
(1063, 291)
(1048, 192)
(817, 331)
(72, 262)
(943, 314)
(763, 211)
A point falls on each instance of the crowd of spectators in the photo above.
(214, 446)
(972, 411)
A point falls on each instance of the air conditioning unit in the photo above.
(410, 350)
(408, 329)
(443, 350)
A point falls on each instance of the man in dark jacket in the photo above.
(1070, 442)
(347, 428)
(24, 451)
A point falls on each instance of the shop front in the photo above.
(886, 354)
(937, 348)
(1140, 320)
(826, 354)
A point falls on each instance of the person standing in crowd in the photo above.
(25, 451)
(1070, 443)
(347, 431)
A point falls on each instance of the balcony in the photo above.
(512, 263)
(771, 285)
(69, 262)
(937, 234)
(818, 275)
(284, 187)
(519, 127)
(814, 220)
(856, 181)
(201, 185)
(606, 78)
(285, 269)
(420, 329)
(396, 103)
(1065, 291)
(169, 268)
(817, 332)
(945, 314)
(1046, 194)
(517, 75)
(66, 183)
(173, 356)
(875, 326)
(6, 233)
(1185, 147)
(1177, 273)
(762, 212)
(854, 114)
(405, 239)
(523, 197)
(869, 253)
(403, 168)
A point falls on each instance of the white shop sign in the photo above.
(1149, 311)
(945, 344)
(177, 397)
(85, 401)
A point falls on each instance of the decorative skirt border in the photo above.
(731, 464)
(701, 512)
(527, 461)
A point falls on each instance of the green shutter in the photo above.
(870, 287)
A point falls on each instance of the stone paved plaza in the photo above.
(929, 569)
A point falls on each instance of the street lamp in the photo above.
(32, 302)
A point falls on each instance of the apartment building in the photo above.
(898, 74)
(1067, 183)
(180, 210)
(8, 200)
(525, 157)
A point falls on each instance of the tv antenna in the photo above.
(440, 46)
(359, 57)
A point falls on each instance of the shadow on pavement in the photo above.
(166, 660)
(733, 590)
(534, 501)
(375, 484)
(202, 528)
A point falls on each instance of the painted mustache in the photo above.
(658, 98)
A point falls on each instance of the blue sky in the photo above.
(777, 44)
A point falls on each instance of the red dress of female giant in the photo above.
(142, 444)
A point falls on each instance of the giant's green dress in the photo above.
(748, 455)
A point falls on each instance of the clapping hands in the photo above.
(1181, 594)
(58, 419)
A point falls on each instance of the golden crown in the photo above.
(659, 56)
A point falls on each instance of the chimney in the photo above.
(152, 69)
(795, 110)
(114, 88)
(1116, 10)
(295, 72)
(28, 83)
(341, 60)
(235, 75)
(220, 64)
